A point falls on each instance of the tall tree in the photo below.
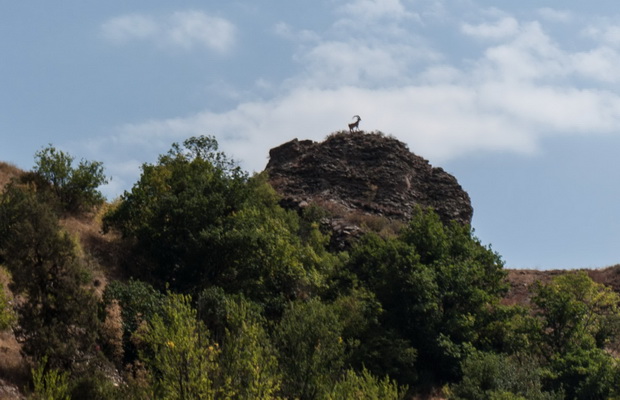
(58, 317)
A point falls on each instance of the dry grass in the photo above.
(8, 172)
(383, 226)
(102, 253)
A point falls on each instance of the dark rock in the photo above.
(366, 173)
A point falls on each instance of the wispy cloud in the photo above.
(519, 87)
(555, 15)
(504, 28)
(367, 10)
(182, 29)
(129, 27)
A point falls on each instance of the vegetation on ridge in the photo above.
(223, 294)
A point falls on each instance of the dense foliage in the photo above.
(223, 294)
(73, 188)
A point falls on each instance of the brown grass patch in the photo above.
(101, 252)
(7, 173)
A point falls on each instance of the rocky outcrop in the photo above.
(366, 173)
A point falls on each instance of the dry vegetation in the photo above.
(8, 172)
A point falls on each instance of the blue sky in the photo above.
(521, 102)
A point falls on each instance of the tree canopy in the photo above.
(220, 293)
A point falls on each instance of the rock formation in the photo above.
(364, 173)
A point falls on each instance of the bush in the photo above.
(138, 302)
(311, 349)
(75, 187)
(439, 289)
(59, 318)
(495, 376)
(365, 386)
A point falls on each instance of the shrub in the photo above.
(59, 318)
(75, 187)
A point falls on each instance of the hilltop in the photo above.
(363, 179)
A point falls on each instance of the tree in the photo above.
(496, 376)
(182, 362)
(576, 312)
(138, 302)
(311, 349)
(75, 188)
(578, 320)
(58, 318)
(248, 359)
(365, 386)
(195, 220)
(439, 289)
(176, 209)
(49, 383)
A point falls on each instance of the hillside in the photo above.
(369, 181)
(235, 278)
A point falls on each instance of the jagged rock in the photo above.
(367, 173)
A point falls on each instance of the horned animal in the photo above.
(356, 124)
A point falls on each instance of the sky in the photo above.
(520, 101)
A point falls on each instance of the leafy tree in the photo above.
(248, 359)
(196, 220)
(59, 317)
(178, 354)
(439, 289)
(576, 312)
(138, 302)
(578, 319)
(176, 208)
(311, 349)
(49, 383)
(497, 376)
(365, 386)
(75, 187)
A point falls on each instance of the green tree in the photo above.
(576, 312)
(75, 187)
(138, 302)
(195, 220)
(176, 209)
(182, 361)
(496, 376)
(439, 289)
(49, 383)
(311, 349)
(578, 319)
(365, 386)
(248, 359)
(59, 317)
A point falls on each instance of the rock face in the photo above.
(366, 173)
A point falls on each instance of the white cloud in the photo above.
(342, 63)
(600, 64)
(285, 31)
(604, 31)
(182, 29)
(129, 27)
(554, 15)
(515, 92)
(366, 10)
(194, 28)
(504, 28)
